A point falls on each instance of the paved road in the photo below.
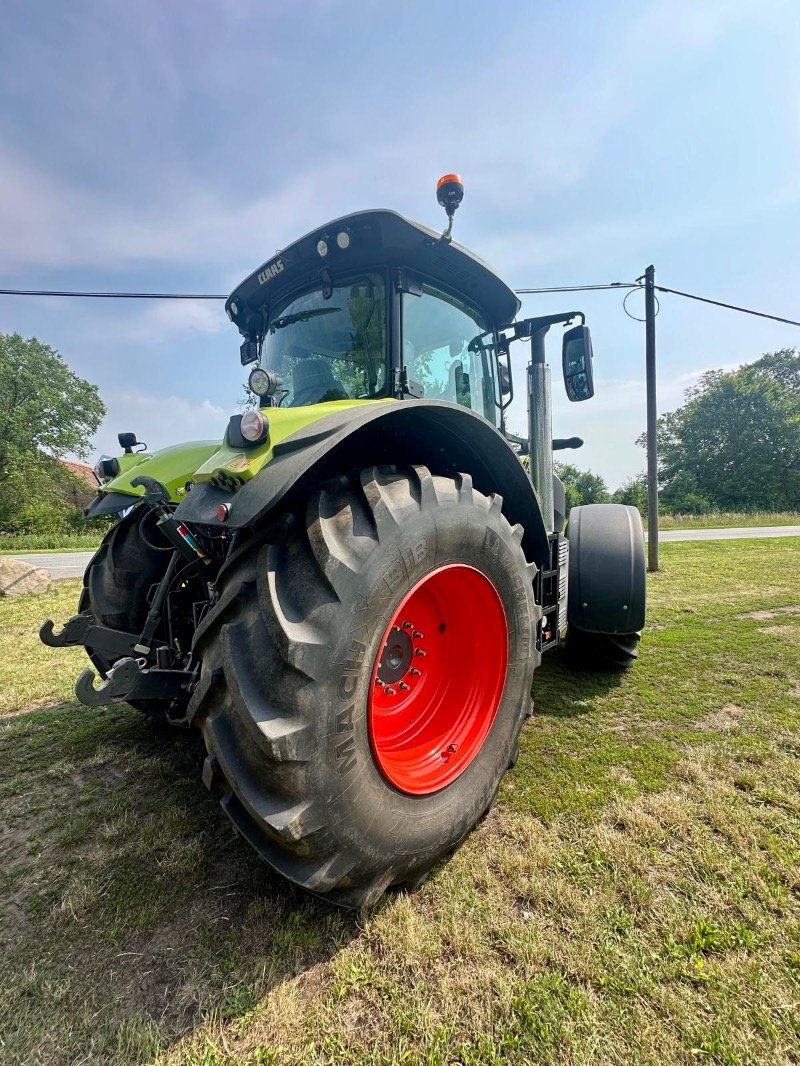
(60, 564)
(728, 534)
(72, 564)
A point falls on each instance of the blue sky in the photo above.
(177, 146)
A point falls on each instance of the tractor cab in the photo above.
(374, 306)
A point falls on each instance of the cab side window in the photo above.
(448, 351)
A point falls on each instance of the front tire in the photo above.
(344, 787)
(132, 557)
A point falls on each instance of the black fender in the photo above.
(110, 503)
(607, 591)
(446, 438)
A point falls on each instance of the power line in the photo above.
(630, 285)
(217, 296)
(731, 307)
(116, 295)
(581, 288)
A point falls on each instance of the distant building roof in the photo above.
(81, 470)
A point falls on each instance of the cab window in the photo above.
(448, 350)
(330, 346)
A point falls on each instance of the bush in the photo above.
(634, 493)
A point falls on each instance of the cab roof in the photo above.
(376, 239)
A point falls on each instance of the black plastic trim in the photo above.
(109, 503)
(442, 436)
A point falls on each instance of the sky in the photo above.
(175, 147)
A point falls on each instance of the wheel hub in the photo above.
(396, 658)
(438, 679)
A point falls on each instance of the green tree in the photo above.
(634, 493)
(735, 443)
(47, 412)
(581, 486)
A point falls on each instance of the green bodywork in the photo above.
(207, 460)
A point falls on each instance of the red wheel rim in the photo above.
(437, 679)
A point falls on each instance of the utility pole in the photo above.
(652, 417)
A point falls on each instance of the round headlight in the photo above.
(322, 248)
(343, 239)
(259, 382)
(254, 427)
(106, 467)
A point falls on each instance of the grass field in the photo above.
(40, 542)
(634, 897)
(729, 520)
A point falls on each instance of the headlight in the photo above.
(254, 427)
(264, 382)
(106, 467)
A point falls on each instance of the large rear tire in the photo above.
(132, 557)
(365, 674)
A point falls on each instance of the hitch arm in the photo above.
(129, 679)
(81, 629)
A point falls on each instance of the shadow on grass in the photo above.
(562, 689)
(131, 913)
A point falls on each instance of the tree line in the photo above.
(733, 445)
(46, 412)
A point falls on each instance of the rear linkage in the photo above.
(146, 668)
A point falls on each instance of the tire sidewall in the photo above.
(369, 812)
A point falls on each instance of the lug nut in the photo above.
(389, 691)
(403, 686)
(407, 625)
(415, 672)
(378, 682)
(420, 652)
(417, 635)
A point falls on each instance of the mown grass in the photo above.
(634, 897)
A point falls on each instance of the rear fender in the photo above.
(442, 436)
(606, 568)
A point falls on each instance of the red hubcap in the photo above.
(438, 679)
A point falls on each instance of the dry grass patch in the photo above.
(633, 897)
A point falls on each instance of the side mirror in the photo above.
(504, 378)
(505, 382)
(576, 360)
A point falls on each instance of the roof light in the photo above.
(343, 240)
(322, 248)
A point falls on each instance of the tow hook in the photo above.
(130, 679)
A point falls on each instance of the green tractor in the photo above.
(350, 594)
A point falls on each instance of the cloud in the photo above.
(158, 420)
(197, 316)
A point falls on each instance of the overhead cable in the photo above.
(630, 285)
(731, 307)
(116, 295)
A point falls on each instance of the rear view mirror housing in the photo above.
(576, 360)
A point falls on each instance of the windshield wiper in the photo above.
(301, 316)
